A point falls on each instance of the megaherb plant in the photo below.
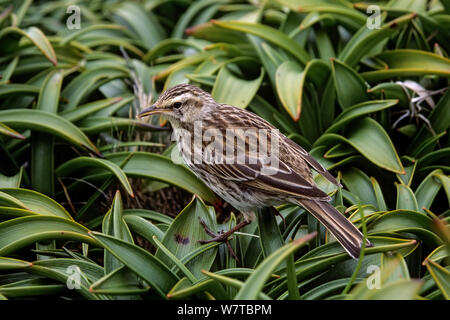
(371, 104)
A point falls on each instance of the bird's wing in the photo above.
(248, 119)
(313, 163)
(278, 180)
(289, 176)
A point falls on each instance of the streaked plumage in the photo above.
(245, 185)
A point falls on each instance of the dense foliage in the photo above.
(369, 103)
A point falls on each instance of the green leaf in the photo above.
(395, 267)
(62, 270)
(212, 33)
(20, 232)
(339, 10)
(173, 259)
(405, 221)
(232, 90)
(191, 12)
(5, 130)
(324, 257)
(85, 30)
(350, 87)
(441, 276)
(379, 195)
(167, 45)
(270, 57)
(89, 80)
(188, 61)
(49, 123)
(25, 290)
(365, 39)
(270, 34)
(143, 227)
(94, 125)
(439, 119)
(292, 279)
(12, 181)
(90, 108)
(119, 282)
(399, 290)
(142, 23)
(18, 88)
(42, 145)
(408, 63)
(9, 70)
(289, 79)
(393, 280)
(151, 269)
(154, 166)
(327, 289)
(181, 290)
(37, 37)
(369, 138)
(115, 226)
(358, 183)
(405, 198)
(184, 234)
(410, 169)
(67, 168)
(230, 282)
(437, 254)
(445, 180)
(148, 214)
(269, 232)
(428, 189)
(13, 264)
(254, 284)
(10, 201)
(36, 202)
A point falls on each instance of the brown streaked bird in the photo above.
(232, 158)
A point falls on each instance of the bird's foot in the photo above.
(223, 236)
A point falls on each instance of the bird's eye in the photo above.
(177, 105)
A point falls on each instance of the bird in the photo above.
(248, 162)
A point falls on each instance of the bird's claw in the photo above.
(218, 237)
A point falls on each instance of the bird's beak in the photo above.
(152, 110)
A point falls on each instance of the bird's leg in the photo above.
(277, 213)
(222, 236)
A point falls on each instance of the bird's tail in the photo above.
(342, 229)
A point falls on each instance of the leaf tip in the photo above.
(305, 239)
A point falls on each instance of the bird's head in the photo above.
(183, 103)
